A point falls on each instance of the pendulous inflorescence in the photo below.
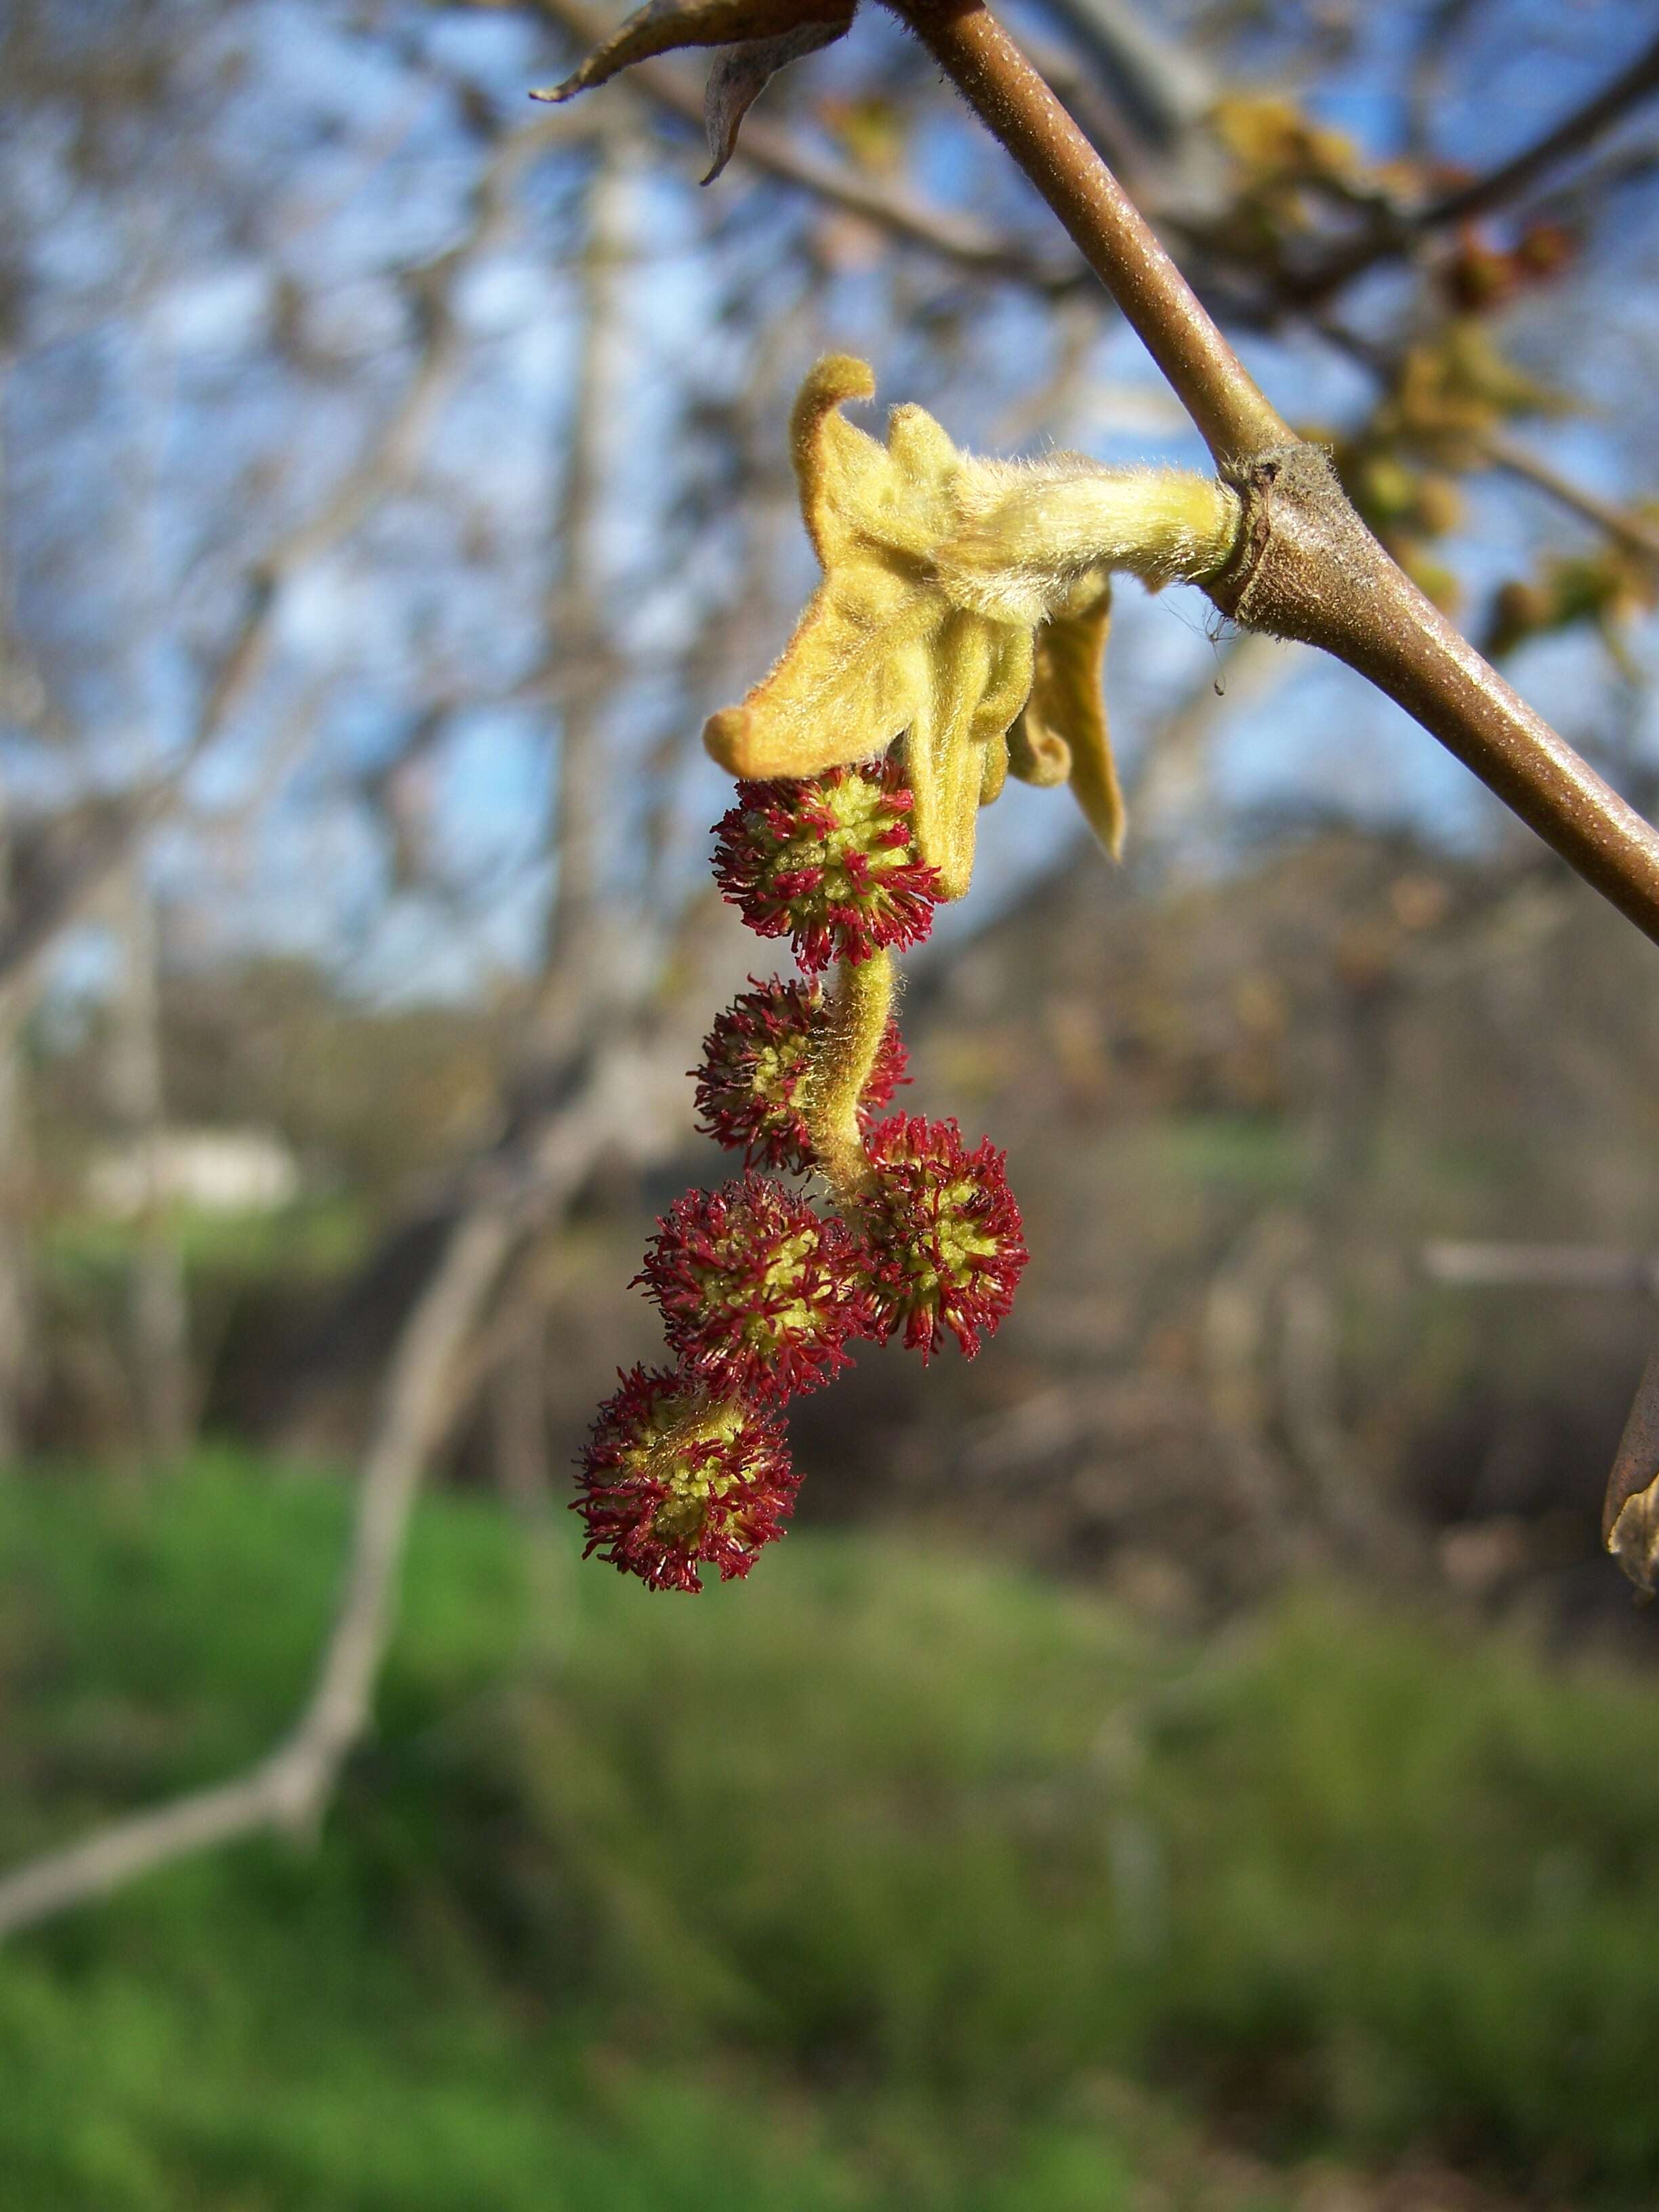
(761, 1287)
(956, 639)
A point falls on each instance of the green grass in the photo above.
(859, 1886)
(312, 1236)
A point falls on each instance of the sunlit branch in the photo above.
(1572, 135)
(1308, 568)
(1631, 531)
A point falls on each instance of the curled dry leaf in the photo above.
(1630, 1519)
(739, 74)
(760, 36)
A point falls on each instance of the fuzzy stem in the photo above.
(859, 1013)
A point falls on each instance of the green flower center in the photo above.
(732, 1287)
(960, 1238)
(948, 1258)
(861, 816)
(777, 1069)
(684, 1454)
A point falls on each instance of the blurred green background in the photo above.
(895, 1878)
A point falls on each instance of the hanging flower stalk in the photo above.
(956, 638)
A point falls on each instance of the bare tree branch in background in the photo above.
(158, 1314)
(96, 840)
(1572, 135)
(1633, 531)
(957, 237)
(1396, 229)
(577, 636)
(607, 1102)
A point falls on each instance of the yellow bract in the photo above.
(954, 591)
(1061, 737)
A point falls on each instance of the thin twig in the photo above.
(1586, 123)
(1234, 417)
(1631, 531)
(1397, 229)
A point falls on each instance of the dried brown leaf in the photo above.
(739, 74)
(664, 26)
(1630, 1519)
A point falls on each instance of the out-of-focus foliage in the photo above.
(853, 1885)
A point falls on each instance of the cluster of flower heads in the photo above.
(760, 1292)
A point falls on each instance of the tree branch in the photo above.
(1631, 531)
(508, 1196)
(1306, 567)
(1570, 136)
(288, 1789)
(997, 82)
(1396, 228)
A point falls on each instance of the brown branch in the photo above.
(288, 1790)
(943, 231)
(1570, 136)
(1633, 531)
(959, 238)
(1306, 568)
(1012, 101)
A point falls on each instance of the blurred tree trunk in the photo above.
(17, 1266)
(157, 1306)
(569, 993)
(20, 696)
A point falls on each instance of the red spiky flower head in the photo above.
(753, 1061)
(942, 1234)
(755, 1289)
(675, 1477)
(828, 862)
